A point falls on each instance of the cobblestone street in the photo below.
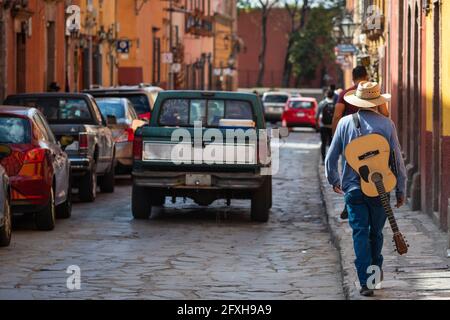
(185, 251)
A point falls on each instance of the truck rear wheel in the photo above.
(108, 180)
(88, 185)
(261, 202)
(141, 203)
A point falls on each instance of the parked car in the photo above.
(5, 208)
(142, 97)
(123, 131)
(157, 174)
(300, 112)
(274, 103)
(78, 124)
(37, 167)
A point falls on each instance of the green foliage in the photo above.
(313, 44)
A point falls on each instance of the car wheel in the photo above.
(270, 192)
(141, 203)
(64, 210)
(6, 229)
(261, 203)
(88, 185)
(158, 200)
(108, 180)
(45, 219)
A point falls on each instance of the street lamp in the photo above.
(344, 29)
(348, 28)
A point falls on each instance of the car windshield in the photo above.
(14, 130)
(112, 107)
(276, 98)
(58, 110)
(301, 105)
(185, 112)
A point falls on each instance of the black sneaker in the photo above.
(344, 214)
(366, 292)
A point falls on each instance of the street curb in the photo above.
(339, 235)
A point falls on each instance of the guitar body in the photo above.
(369, 154)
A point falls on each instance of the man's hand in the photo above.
(338, 190)
(400, 202)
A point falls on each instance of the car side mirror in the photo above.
(5, 151)
(111, 120)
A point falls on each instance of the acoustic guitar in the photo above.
(369, 156)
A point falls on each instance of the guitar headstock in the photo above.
(400, 243)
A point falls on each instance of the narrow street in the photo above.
(184, 251)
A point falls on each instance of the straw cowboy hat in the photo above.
(368, 95)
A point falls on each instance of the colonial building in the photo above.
(226, 45)
(172, 44)
(32, 46)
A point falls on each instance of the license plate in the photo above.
(198, 180)
(301, 114)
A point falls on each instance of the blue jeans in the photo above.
(367, 219)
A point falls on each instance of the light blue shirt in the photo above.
(346, 131)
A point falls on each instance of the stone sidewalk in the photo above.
(424, 273)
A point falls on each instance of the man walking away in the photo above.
(366, 215)
(324, 120)
(343, 108)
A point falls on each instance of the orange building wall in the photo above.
(36, 47)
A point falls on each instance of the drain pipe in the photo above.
(448, 229)
(3, 79)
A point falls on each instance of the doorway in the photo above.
(21, 62)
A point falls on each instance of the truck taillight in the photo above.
(34, 156)
(83, 141)
(130, 132)
(137, 148)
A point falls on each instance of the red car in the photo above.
(38, 168)
(300, 112)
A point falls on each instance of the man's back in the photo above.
(370, 122)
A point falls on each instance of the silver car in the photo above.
(5, 209)
(127, 121)
(274, 103)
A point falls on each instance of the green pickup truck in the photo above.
(204, 146)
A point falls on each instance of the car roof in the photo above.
(50, 95)
(112, 99)
(206, 94)
(17, 111)
(277, 93)
(124, 89)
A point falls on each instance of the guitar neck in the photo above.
(387, 206)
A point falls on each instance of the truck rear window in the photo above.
(14, 130)
(58, 110)
(185, 112)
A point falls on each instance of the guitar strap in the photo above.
(357, 123)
